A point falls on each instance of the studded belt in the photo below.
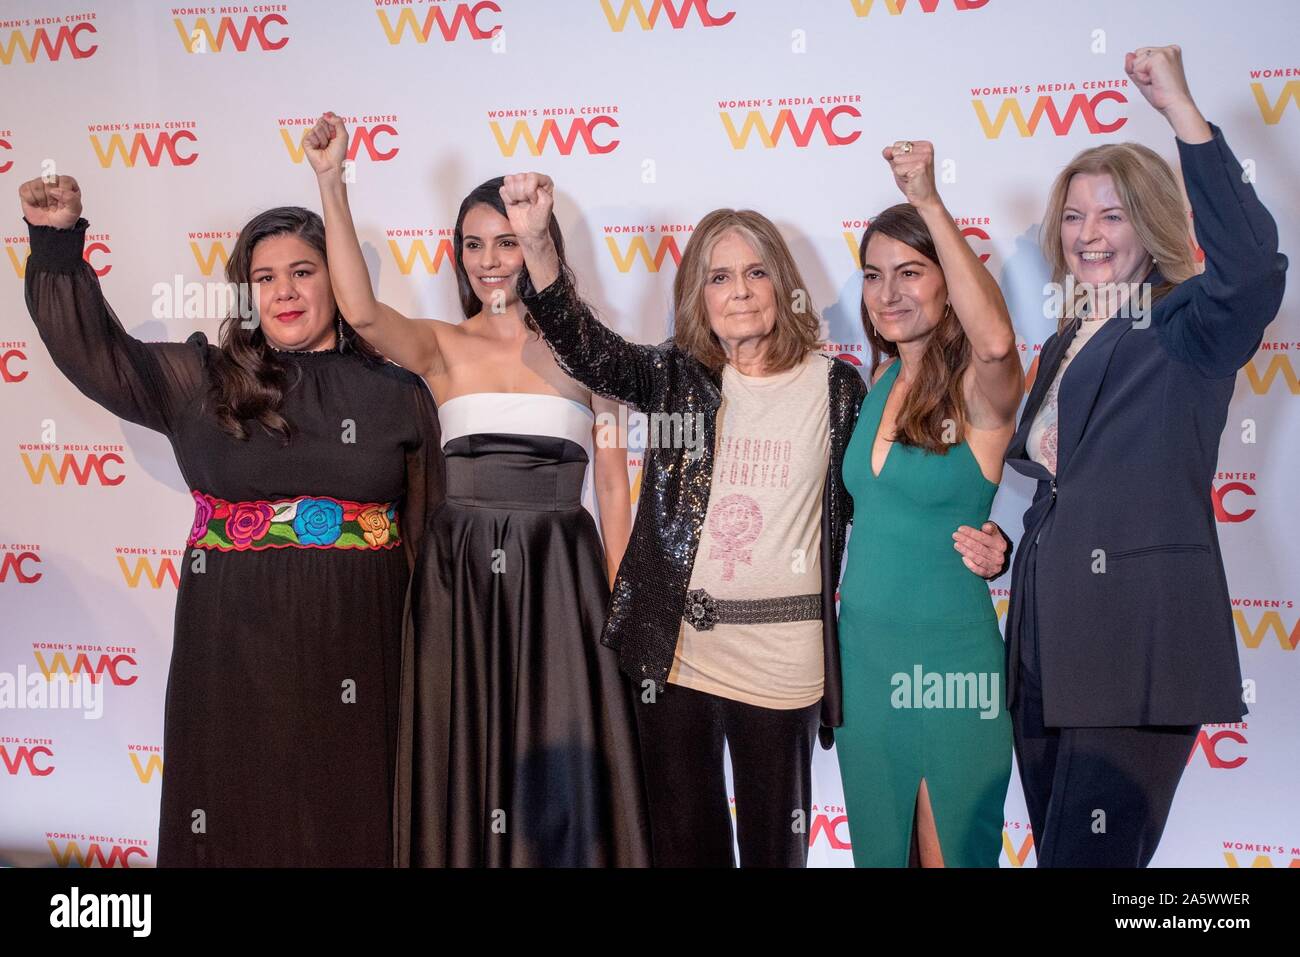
(703, 611)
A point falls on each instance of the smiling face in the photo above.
(492, 257)
(294, 299)
(739, 296)
(1098, 240)
(904, 292)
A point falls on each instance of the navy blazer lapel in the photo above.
(1048, 364)
(1081, 383)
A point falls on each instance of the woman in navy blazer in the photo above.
(1120, 637)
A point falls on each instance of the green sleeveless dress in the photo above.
(922, 658)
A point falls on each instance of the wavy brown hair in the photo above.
(248, 379)
(1152, 199)
(795, 331)
(935, 397)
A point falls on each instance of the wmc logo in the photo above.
(11, 369)
(164, 144)
(405, 254)
(1217, 751)
(802, 125)
(197, 35)
(678, 14)
(1254, 628)
(145, 762)
(1227, 497)
(157, 572)
(119, 855)
(550, 133)
(58, 665)
(14, 565)
(362, 136)
(5, 145)
(21, 758)
(1273, 107)
(465, 16)
(639, 247)
(40, 40)
(1278, 365)
(1061, 112)
(863, 7)
(1263, 855)
(1016, 856)
(81, 466)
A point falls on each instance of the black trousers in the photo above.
(1097, 797)
(682, 734)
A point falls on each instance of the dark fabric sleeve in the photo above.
(590, 352)
(147, 383)
(1219, 326)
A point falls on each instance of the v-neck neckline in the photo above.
(889, 390)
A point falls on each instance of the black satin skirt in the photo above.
(519, 743)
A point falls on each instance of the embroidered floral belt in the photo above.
(305, 522)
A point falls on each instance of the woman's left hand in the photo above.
(912, 163)
(983, 550)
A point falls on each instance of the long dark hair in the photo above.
(489, 194)
(936, 396)
(248, 379)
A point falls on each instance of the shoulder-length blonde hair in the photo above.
(1152, 199)
(797, 323)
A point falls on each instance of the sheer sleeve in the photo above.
(426, 475)
(147, 383)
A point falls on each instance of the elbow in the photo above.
(996, 350)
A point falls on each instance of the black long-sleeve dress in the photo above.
(282, 698)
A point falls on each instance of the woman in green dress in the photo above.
(925, 750)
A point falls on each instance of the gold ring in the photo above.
(905, 146)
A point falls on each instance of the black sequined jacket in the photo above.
(650, 588)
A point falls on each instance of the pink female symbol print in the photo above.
(734, 523)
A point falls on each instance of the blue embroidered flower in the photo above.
(319, 521)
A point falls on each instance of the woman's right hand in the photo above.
(326, 144)
(55, 201)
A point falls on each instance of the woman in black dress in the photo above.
(313, 464)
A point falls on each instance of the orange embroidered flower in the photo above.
(374, 525)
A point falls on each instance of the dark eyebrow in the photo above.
(292, 265)
(903, 265)
(497, 236)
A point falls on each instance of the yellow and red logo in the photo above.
(171, 142)
(364, 132)
(68, 36)
(647, 243)
(801, 120)
(1222, 745)
(209, 248)
(1271, 367)
(1272, 99)
(1259, 618)
(82, 851)
(1260, 855)
(465, 16)
(18, 563)
(1017, 847)
(408, 245)
(146, 760)
(197, 35)
(82, 462)
(21, 755)
(561, 128)
(52, 660)
(7, 147)
(154, 565)
(1061, 104)
(862, 8)
(830, 826)
(678, 14)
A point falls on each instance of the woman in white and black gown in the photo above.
(518, 738)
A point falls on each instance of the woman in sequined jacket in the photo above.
(714, 661)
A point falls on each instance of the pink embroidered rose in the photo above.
(248, 522)
(203, 510)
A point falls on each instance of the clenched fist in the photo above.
(529, 198)
(1158, 74)
(326, 144)
(55, 202)
(912, 163)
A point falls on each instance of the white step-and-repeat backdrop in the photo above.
(181, 122)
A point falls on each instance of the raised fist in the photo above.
(53, 201)
(326, 144)
(1158, 74)
(912, 163)
(529, 198)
